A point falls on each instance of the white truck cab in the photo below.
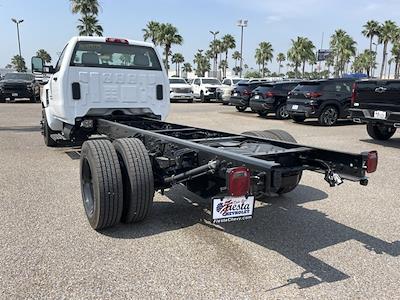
(98, 76)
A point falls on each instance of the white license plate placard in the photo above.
(295, 106)
(14, 94)
(229, 209)
(257, 97)
(378, 114)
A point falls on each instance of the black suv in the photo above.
(328, 100)
(241, 95)
(19, 85)
(271, 98)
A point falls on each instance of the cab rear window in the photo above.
(114, 55)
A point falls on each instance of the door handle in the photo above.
(55, 78)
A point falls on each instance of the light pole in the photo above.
(19, 42)
(215, 33)
(241, 23)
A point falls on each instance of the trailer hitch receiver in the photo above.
(332, 178)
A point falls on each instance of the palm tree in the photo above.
(223, 65)
(364, 61)
(215, 48)
(85, 7)
(177, 59)
(187, 68)
(228, 42)
(371, 29)
(264, 53)
(387, 33)
(396, 55)
(89, 26)
(88, 9)
(151, 31)
(301, 51)
(44, 55)
(167, 36)
(280, 58)
(343, 47)
(18, 63)
(202, 62)
(236, 56)
(390, 61)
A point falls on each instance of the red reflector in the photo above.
(313, 95)
(238, 181)
(247, 92)
(116, 40)
(269, 94)
(353, 94)
(372, 161)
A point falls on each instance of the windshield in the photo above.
(211, 81)
(177, 80)
(113, 55)
(236, 81)
(20, 76)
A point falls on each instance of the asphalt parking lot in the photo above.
(315, 242)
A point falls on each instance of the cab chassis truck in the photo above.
(111, 95)
(118, 178)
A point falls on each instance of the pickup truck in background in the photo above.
(377, 103)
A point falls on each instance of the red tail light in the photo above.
(238, 181)
(269, 94)
(246, 92)
(353, 94)
(116, 40)
(372, 161)
(313, 95)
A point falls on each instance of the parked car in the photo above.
(271, 98)
(241, 94)
(376, 103)
(225, 91)
(180, 90)
(19, 85)
(328, 100)
(206, 88)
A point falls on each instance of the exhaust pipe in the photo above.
(356, 120)
(396, 125)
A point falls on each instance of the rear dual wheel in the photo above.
(116, 182)
(380, 132)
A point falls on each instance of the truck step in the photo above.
(57, 137)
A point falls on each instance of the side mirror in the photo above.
(37, 64)
(48, 69)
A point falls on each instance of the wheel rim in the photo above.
(87, 188)
(283, 112)
(330, 116)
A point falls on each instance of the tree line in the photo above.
(302, 52)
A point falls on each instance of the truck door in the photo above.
(55, 82)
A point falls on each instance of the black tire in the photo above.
(241, 108)
(329, 116)
(101, 184)
(47, 132)
(2, 99)
(298, 119)
(190, 101)
(292, 179)
(262, 113)
(281, 112)
(202, 97)
(137, 174)
(380, 132)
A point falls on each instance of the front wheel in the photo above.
(329, 116)
(380, 132)
(298, 119)
(241, 108)
(47, 132)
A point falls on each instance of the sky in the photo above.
(49, 24)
